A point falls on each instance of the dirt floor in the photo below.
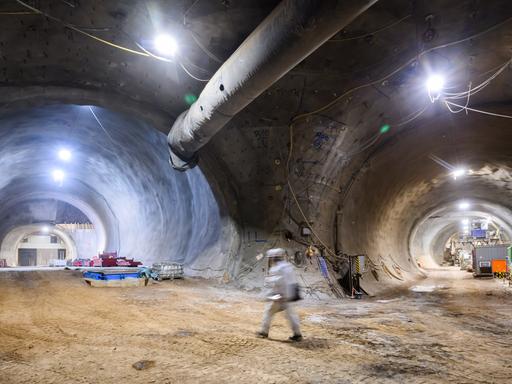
(55, 329)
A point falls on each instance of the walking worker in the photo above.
(283, 289)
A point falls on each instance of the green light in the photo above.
(190, 98)
(385, 128)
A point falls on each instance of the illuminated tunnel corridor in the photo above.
(117, 176)
(175, 173)
(417, 203)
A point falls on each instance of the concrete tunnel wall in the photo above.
(386, 213)
(119, 177)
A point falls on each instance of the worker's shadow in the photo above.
(309, 343)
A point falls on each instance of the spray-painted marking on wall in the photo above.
(319, 139)
(262, 136)
(300, 168)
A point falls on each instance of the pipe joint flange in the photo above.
(181, 164)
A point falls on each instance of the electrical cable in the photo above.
(478, 110)
(462, 108)
(72, 27)
(171, 61)
(153, 55)
(331, 252)
(472, 91)
(203, 48)
(396, 70)
(368, 144)
(371, 33)
(101, 125)
(187, 12)
(333, 287)
(191, 75)
(144, 52)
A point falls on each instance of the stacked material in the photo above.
(106, 259)
(163, 271)
(80, 263)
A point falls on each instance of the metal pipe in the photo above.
(292, 31)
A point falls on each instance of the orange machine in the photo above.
(499, 266)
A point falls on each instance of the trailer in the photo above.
(166, 271)
(114, 278)
(488, 256)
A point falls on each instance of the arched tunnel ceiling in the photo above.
(370, 74)
(118, 176)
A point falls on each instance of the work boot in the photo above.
(262, 335)
(295, 338)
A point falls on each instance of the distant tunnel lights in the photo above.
(58, 175)
(463, 205)
(459, 173)
(64, 154)
(165, 45)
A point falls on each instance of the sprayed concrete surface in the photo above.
(54, 329)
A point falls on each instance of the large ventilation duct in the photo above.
(293, 30)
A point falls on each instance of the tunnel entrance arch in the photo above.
(12, 243)
(429, 235)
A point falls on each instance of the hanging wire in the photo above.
(191, 75)
(391, 25)
(143, 52)
(153, 55)
(478, 110)
(100, 124)
(72, 27)
(474, 90)
(396, 70)
(203, 48)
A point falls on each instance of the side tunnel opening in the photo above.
(111, 171)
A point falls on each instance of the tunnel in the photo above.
(175, 173)
(136, 204)
(417, 202)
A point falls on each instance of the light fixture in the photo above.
(435, 85)
(464, 205)
(465, 222)
(45, 229)
(165, 45)
(64, 154)
(459, 172)
(58, 175)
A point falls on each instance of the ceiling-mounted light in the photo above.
(165, 45)
(435, 85)
(463, 205)
(58, 175)
(64, 154)
(459, 172)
